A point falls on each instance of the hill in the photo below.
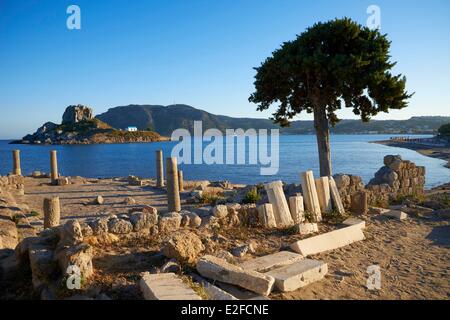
(79, 127)
(165, 119)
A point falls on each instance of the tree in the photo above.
(444, 130)
(331, 65)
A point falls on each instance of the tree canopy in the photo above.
(331, 65)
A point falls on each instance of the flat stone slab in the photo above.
(328, 241)
(220, 270)
(400, 215)
(271, 261)
(298, 274)
(355, 221)
(166, 286)
(213, 292)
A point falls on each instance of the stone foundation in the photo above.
(396, 178)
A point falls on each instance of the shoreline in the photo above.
(442, 153)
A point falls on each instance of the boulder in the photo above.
(143, 220)
(80, 256)
(75, 114)
(194, 220)
(184, 246)
(220, 211)
(169, 222)
(70, 233)
(99, 226)
(119, 226)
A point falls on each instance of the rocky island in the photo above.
(80, 127)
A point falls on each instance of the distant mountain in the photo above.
(165, 119)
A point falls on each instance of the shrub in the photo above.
(252, 196)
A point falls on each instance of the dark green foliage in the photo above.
(252, 196)
(444, 130)
(331, 65)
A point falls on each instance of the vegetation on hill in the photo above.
(165, 119)
(87, 131)
(444, 130)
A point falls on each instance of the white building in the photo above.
(132, 129)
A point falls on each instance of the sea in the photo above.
(351, 154)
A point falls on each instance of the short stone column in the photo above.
(297, 208)
(359, 203)
(265, 216)
(310, 195)
(323, 193)
(159, 169)
(52, 212)
(280, 206)
(173, 191)
(54, 167)
(16, 163)
(180, 180)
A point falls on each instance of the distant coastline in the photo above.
(429, 150)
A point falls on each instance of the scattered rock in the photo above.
(119, 226)
(62, 181)
(129, 201)
(99, 226)
(169, 222)
(143, 220)
(171, 266)
(99, 200)
(70, 233)
(184, 246)
(220, 211)
(80, 256)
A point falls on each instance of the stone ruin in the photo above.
(395, 179)
(182, 238)
(75, 114)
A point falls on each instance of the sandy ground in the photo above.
(413, 255)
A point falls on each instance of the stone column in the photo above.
(180, 180)
(359, 203)
(173, 191)
(310, 195)
(323, 193)
(265, 216)
(335, 196)
(52, 212)
(159, 169)
(297, 208)
(16, 163)
(53, 167)
(280, 206)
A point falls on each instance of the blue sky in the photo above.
(197, 52)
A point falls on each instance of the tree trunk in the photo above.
(322, 127)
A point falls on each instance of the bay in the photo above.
(351, 154)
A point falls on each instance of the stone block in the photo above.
(328, 241)
(166, 286)
(298, 274)
(220, 270)
(271, 261)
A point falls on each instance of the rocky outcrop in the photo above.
(79, 127)
(75, 114)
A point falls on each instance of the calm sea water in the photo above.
(350, 154)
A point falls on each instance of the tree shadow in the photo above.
(440, 236)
